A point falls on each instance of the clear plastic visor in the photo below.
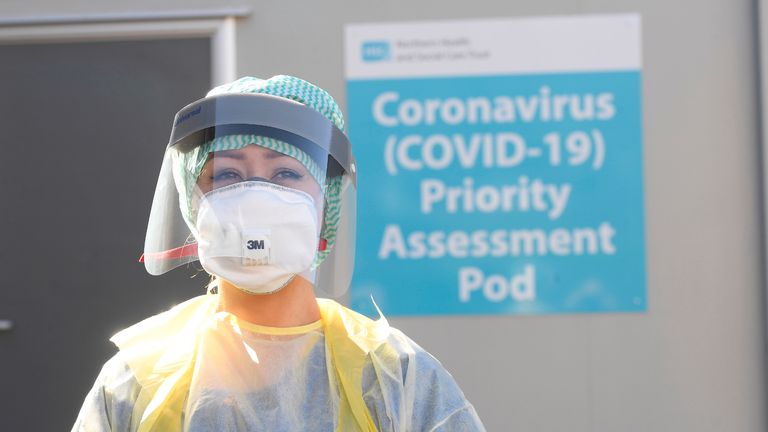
(236, 183)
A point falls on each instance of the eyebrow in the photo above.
(274, 155)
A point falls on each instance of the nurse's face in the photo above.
(253, 162)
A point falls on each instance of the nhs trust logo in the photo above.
(375, 51)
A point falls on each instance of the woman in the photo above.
(258, 185)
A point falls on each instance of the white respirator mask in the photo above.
(257, 235)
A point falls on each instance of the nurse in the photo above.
(258, 184)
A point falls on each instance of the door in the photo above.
(84, 128)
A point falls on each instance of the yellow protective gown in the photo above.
(194, 368)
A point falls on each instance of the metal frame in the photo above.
(218, 25)
(761, 29)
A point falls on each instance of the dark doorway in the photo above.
(84, 128)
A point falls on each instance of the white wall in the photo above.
(695, 361)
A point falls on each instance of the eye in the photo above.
(287, 174)
(226, 177)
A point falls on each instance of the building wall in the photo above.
(693, 362)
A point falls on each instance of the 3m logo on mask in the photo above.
(257, 248)
(255, 244)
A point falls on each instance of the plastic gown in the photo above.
(196, 369)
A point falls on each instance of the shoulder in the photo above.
(117, 377)
(408, 377)
(109, 404)
(404, 387)
(386, 346)
(416, 363)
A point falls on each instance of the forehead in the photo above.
(249, 152)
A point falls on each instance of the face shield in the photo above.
(256, 187)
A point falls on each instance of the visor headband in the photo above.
(268, 112)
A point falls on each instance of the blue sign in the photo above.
(499, 194)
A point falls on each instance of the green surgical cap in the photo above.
(187, 166)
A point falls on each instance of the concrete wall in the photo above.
(695, 361)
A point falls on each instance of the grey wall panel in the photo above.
(695, 360)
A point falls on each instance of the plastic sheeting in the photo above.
(196, 369)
